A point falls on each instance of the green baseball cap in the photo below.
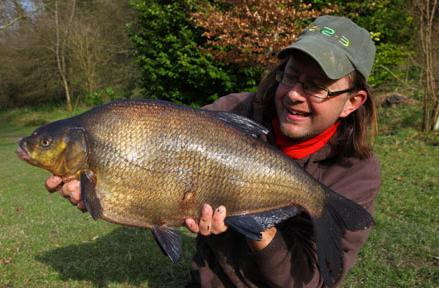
(338, 45)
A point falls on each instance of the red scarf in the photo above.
(301, 149)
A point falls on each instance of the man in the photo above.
(318, 106)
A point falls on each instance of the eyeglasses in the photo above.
(314, 92)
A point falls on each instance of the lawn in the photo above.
(46, 242)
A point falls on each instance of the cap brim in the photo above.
(333, 60)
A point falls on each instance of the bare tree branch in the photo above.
(6, 26)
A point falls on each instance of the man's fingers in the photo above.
(205, 220)
(75, 189)
(53, 183)
(210, 222)
(218, 225)
(72, 191)
(192, 225)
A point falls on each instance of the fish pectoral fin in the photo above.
(169, 241)
(88, 194)
(251, 225)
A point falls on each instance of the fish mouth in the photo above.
(21, 151)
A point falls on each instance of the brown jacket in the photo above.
(226, 261)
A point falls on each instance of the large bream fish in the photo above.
(152, 164)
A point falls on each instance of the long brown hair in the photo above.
(356, 132)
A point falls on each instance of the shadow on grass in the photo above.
(126, 255)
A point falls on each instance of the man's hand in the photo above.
(212, 222)
(70, 190)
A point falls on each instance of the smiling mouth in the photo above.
(298, 113)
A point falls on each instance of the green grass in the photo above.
(403, 249)
(46, 242)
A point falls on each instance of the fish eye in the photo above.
(46, 141)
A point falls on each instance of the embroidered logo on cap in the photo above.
(330, 32)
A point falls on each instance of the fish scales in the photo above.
(148, 158)
(153, 164)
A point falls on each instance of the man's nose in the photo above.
(296, 93)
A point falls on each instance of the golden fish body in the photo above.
(153, 164)
(158, 164)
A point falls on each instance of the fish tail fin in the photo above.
(340, 214)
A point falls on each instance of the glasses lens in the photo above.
(315, 92)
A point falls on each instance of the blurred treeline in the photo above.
(76, 52)
(84, 41)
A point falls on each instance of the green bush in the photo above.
(101, 96)
(391, 27)
(391, 65)
(172, 65)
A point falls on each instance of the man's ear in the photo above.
(354, 102)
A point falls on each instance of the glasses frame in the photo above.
(329, 93)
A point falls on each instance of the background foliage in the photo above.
(172, 65)
(91, 41)
(186, 51)
(250, 33)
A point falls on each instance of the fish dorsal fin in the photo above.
(169, 241)
(251, 225)
(245, 124)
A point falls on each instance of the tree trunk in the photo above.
(60, 52)
(427, 11)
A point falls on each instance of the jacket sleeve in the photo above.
(360, 183)
(238, 103)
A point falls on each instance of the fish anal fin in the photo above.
(251, 225)
(88, 194)
(169, 241)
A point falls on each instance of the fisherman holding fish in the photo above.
(318, 107)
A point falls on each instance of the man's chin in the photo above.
(294, 132)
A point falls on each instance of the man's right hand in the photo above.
(70, 190)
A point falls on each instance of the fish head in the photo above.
(57, 147)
